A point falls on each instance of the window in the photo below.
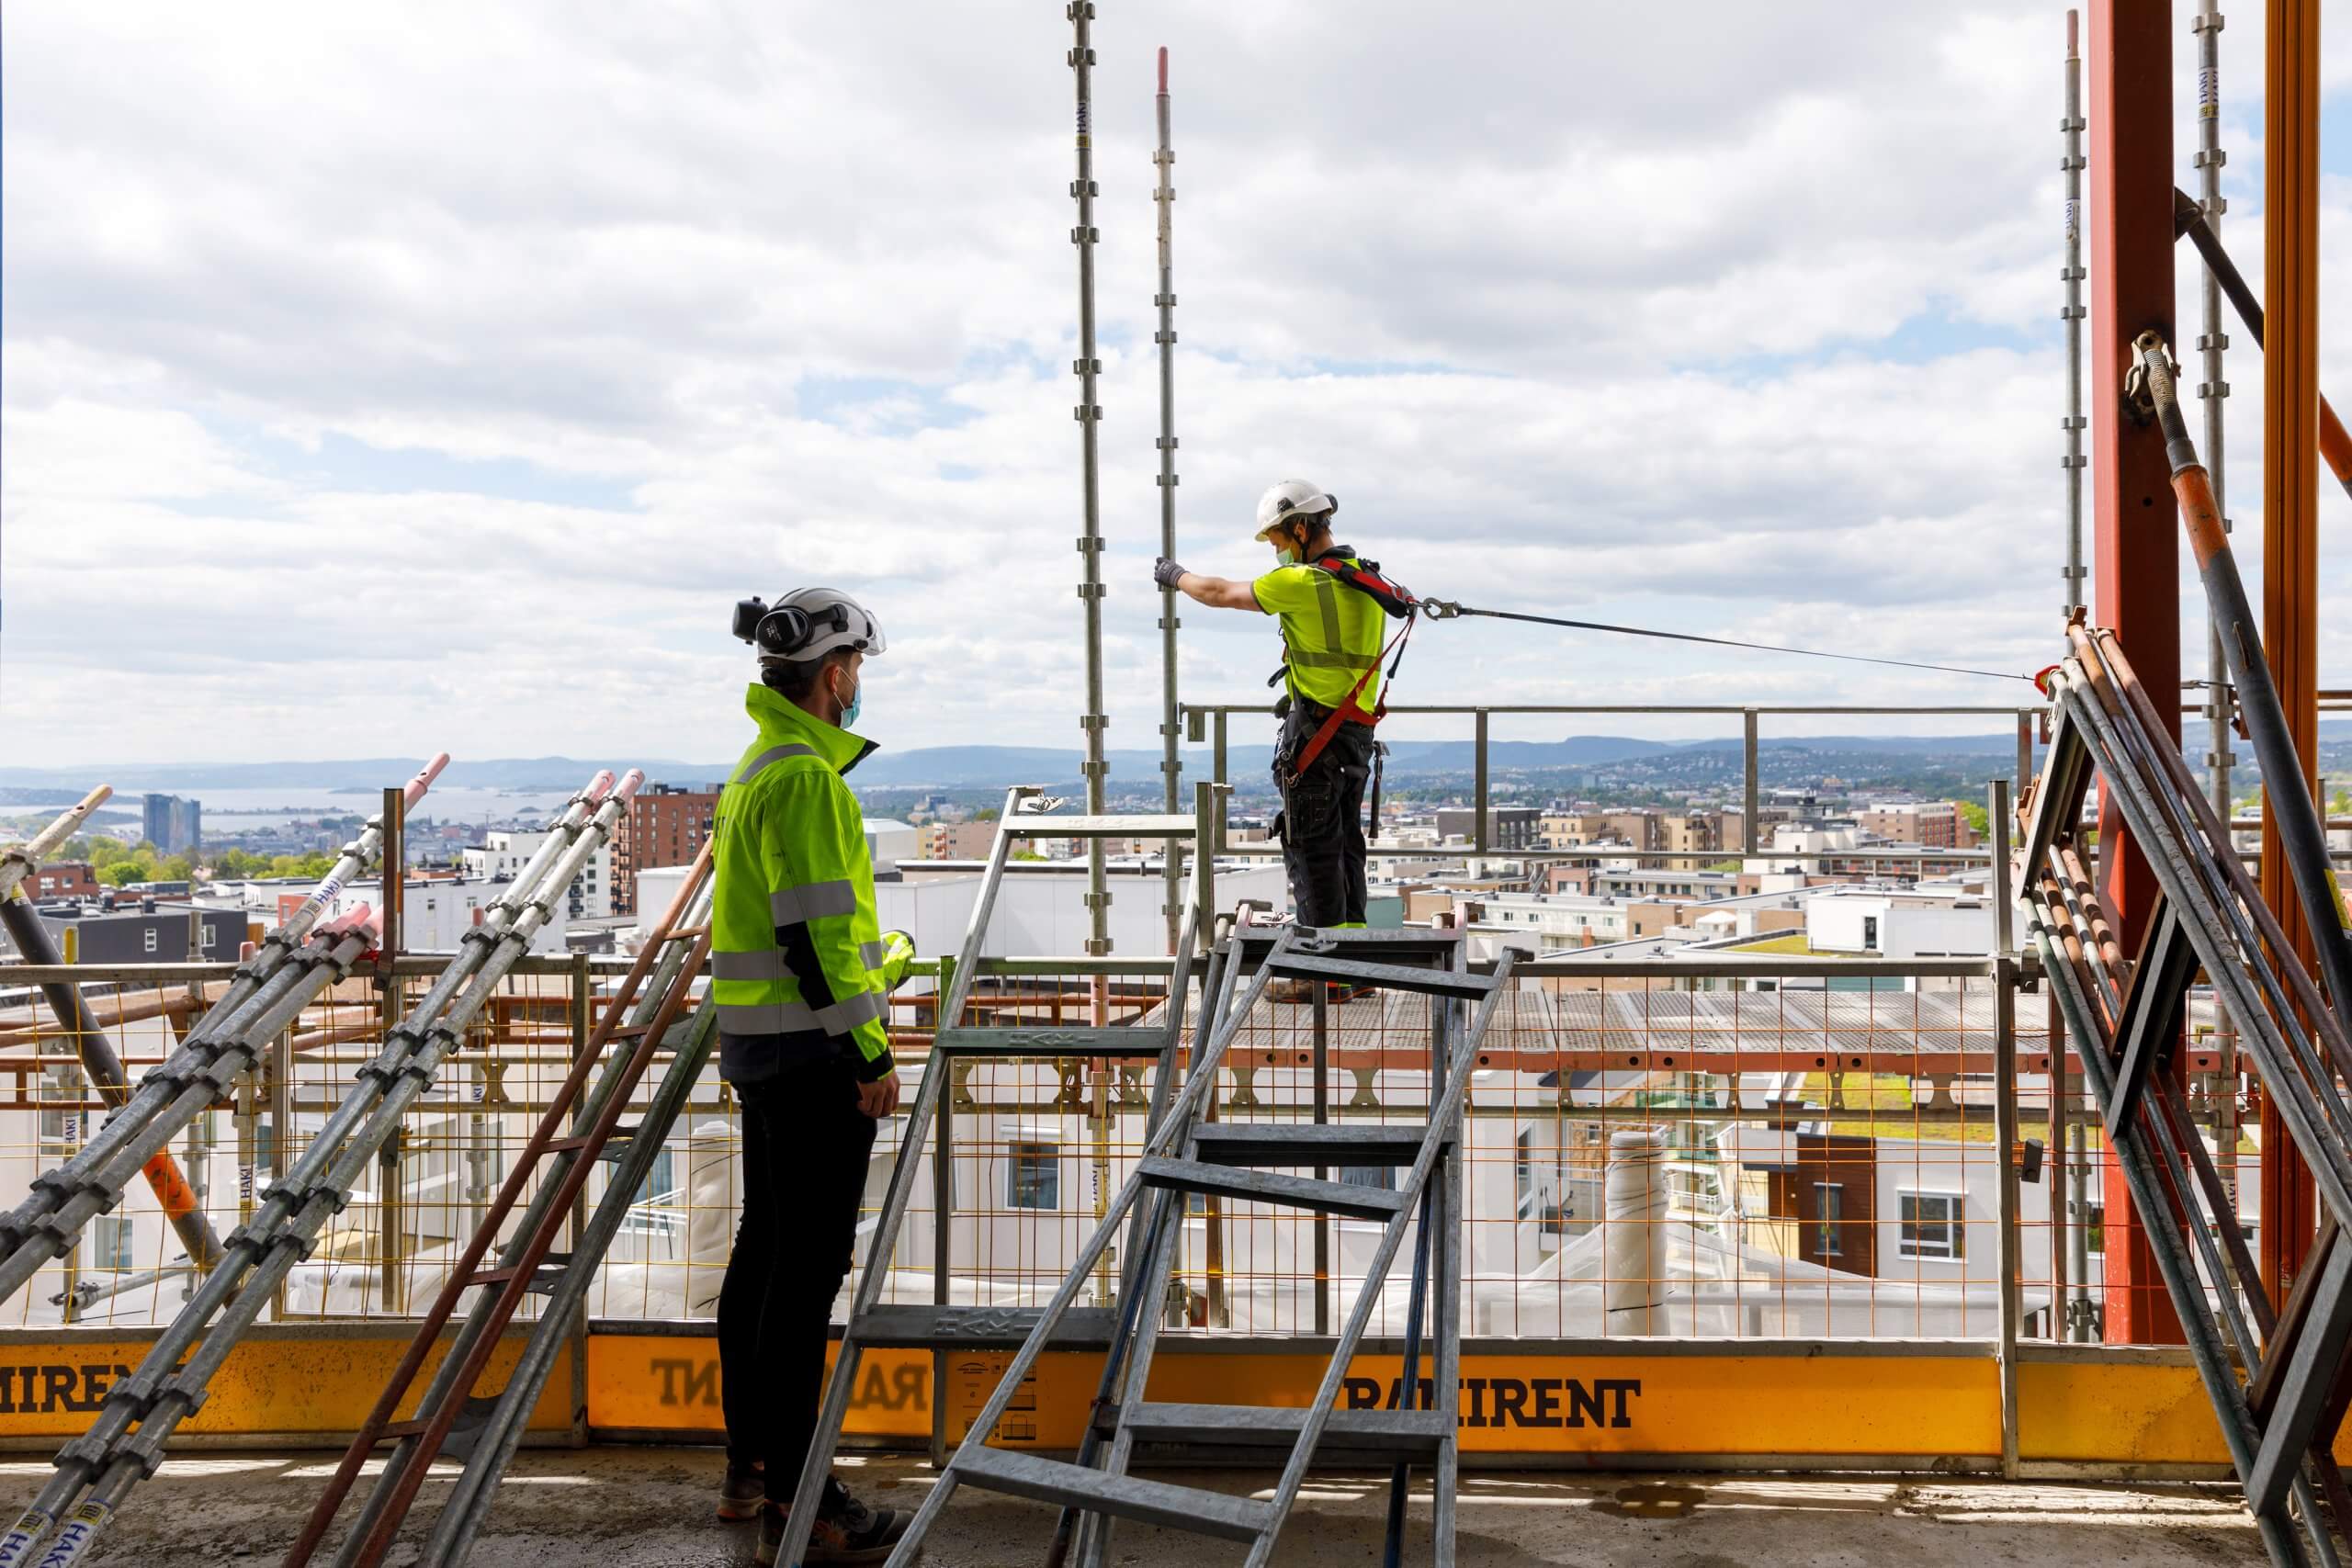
(1828, 1210)
(1931, 1226)
(1870, 930)
(661, 1183)
(209, 936)
(1033, 1178)
(150, 938)
(1524, 1168)
(110, 1242)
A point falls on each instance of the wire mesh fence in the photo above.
(1746, 1157)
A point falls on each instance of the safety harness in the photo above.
(1399, 602)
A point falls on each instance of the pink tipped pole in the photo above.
(1163, 63)
(2074, 19)
(598, 788)
(342, 925)
(424, 777)
(372, 922)
(630, 783)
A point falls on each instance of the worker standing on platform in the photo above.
(801, 975)
(1333, 624)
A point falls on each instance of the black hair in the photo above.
(796, 678)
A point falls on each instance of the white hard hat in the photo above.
(1292, 498)
(808, 623)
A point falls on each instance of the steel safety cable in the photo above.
(1447, 610)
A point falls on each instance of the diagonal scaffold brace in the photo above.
(269, 991)
(125, 1444)
(2278, 1378)
(638, 1021)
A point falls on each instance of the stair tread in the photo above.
(1050, 1041)
(922, 1326)
(1409, 1433)
(1019, 1474)
(1309, 1143)
(1273, 1187)
(1387, 976)
(1046, 826)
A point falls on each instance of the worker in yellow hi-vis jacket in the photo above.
(801, 975)
(1333, 624)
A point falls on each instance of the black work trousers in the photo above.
(806, 1147)
(1322, 819)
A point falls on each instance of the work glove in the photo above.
(1165, 572)
(898, 951)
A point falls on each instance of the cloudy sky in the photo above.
(438, 377)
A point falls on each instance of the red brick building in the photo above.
(666, 826)
(64, 879)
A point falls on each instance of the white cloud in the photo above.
(439, 378)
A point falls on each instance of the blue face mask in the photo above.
(849, 714)
(1288, 557)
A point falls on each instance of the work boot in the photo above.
(847, 1530)
(740, 1494)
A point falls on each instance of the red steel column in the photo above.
(2138, 566)
(2290, 523)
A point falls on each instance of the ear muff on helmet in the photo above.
(782, 631)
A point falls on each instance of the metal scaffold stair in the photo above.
(1187, 1156)
(1183, 1154)
(581, 1128)
(2277, 1379)
(942, 1326)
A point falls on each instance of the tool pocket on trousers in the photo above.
(1313, 808)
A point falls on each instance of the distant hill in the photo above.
(948, 766)
(971, 767)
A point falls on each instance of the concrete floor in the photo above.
(640, 1507)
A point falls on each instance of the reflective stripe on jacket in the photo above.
(799, 972)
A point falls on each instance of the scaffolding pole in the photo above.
(2071, 312)
(1172, 766)
(25, 858)
(1090, 417)
(2212, 388)
(125, 1444)
(2210, 342)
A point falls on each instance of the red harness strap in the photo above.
(1349, 709)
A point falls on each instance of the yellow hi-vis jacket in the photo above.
(1332, 633)
(799, 969)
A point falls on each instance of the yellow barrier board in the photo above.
(278, 1384)
(1714, 1403)
(1707, 1400)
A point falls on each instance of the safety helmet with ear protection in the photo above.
(808, 623)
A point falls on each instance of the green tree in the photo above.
(121, 874)
(1979, 820)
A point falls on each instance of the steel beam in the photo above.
(2291, 432)
(2137, 575)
